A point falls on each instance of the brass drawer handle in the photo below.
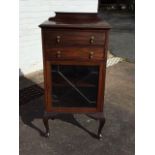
(91, 54)
(92, 39)
(58, 54)
(58, 39)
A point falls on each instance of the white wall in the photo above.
(33, 13)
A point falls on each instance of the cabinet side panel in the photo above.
(45, 71)
(104, 69)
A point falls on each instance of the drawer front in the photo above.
(75, 53)
(61, 38)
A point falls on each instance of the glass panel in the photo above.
(74, 86)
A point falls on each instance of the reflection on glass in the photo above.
(74, 86)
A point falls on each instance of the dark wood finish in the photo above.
(101, 124)
(99, 116)
(61, 37)
(84, 53)
(80, 21)
(49, 106)
(45, 121)
(75, 39)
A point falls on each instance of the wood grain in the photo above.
(66, 40)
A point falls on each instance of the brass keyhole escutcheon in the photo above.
(91, 54)
(58, 39)
(92, 39)
(58, 54)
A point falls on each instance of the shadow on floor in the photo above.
(31, 107)
(118, 132)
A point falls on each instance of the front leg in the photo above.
(101, 124)
(46, 124)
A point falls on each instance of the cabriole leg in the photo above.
(45, 121)
(101, 124)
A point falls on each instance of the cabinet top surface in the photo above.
(76, 20)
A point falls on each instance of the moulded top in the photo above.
(76, 20)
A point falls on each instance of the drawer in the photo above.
(75, 53)
(61, 38)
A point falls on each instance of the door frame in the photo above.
(48, 86)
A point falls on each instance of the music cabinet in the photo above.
(74, 58)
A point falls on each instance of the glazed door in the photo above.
(74, 87)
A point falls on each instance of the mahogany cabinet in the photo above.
(74, 58)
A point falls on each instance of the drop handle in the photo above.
(91, 54)
(58, 39)
(58, 54)
(92, 39)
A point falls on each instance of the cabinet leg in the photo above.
(45, 121)
(101, 124)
